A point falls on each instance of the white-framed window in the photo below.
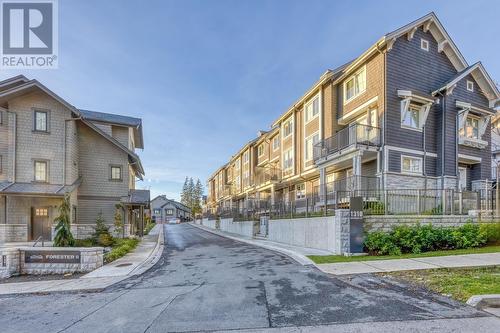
(237, 181)
(41, 171)
(300, 191)
(287, 127)
(169, 211)
(424, 44)
(411, 118)
(471, 128)
(246, 178)
(470, 86)
(355, 85)
(276, 142)
(157, 211)
(311, 109)
(40, 121)
(310, 141)
(115, 172)
(246, 157)
(410, 164)
(260, 150)
(288, 159)
(237, 165)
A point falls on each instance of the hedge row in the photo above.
(423, 238)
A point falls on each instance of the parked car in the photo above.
(174, 220)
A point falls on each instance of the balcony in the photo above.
(264, 175)
(346, 140)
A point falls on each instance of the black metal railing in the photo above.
(354, 134)
(375, 202)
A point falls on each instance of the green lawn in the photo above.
(334, 259)
(459, 283)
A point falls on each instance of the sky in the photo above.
(205, 76)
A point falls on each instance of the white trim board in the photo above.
(409, 151)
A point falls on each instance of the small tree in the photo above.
(118, 221)
(101, 232)
(63, 236)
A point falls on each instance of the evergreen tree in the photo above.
(198, 194)
(63, 235)
(118, 221)
(184, 193)
(191, 193)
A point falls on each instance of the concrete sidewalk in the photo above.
(394, 265)
(297, 253)
(147, 253)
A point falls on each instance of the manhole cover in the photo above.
(123, 265)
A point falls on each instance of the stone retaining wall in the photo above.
(84, 231)
(13, 233)
(386, 222)
(12, 261)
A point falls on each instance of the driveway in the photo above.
(207, 282)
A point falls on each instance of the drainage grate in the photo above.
(123, 265)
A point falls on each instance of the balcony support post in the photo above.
(356, 168)
(322, 189)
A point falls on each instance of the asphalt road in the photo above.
(206, 282)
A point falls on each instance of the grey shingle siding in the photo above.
(411, 68)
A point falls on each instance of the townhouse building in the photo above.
(408, 113)
(49, 149)
(164, 209)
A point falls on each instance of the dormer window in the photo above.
(470, 86)
(424, 44)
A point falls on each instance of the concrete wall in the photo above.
(244, 228)
(315, 232)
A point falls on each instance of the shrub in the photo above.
(491, 232)
(122, 247)
(101, 234)
(63, 236)
(418, 238)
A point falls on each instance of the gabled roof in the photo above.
(176, 204)
(27, 86)
(134, 160)
(137, 197)
(33, 85)
(116, 119)
(482, 78)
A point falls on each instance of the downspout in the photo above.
(382, 156)
(424, 158)
(14, 136)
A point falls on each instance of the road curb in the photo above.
(480, 301)
(154, 257)
(299, 258)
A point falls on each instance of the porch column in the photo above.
(356, 170)
(322, 187)
(273, 195)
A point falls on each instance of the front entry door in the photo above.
(40, 224)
